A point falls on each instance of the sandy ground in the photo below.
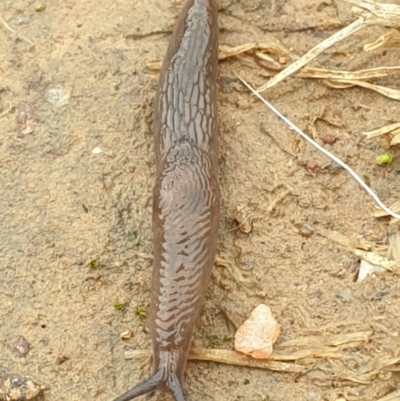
(76, 175)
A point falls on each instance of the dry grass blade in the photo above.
(15, 32)
(362, 250)
(369, 13)
(227, 357)
(235, 358)
(378, 260)
(227, 51)
(343, 84)
(348, 242)
(377, 13)
(394, 396)
(391, 39)
(302, 355)
(395, 207)
(387, 129)
(313, 53)
(10, 107)
(323, 73)
(377, 72)
(312, 349)
(275, 202)
(334, 340)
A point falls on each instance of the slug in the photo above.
(186, 194)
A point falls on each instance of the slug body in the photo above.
(186, 194)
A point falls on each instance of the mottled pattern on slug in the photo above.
(184, 108)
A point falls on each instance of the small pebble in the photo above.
(61, 359)
(20, 20)
(126, 335)
(282, 60)
(58, 97)
(329, 139)
(312, 165)
(39, 7)
(306, 231)
(19, 388)
(345, 294)
(96, 151)
(258, 333)
(21, 347)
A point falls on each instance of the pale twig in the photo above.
(10, 106)
(15, 32)
(275, 202)
(367, 189)
(228, 357)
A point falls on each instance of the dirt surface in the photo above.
(76, 175)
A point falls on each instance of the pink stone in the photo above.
(258, 333)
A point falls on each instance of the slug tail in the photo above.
(174, 387)
(149, 386)
(158, 381)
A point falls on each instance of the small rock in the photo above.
(329, 139)
(312, 165)
(96, 151)
(126, 335)
(247, 265)
(39, 7)
(282, 60)
(61, 359)
(258, 333)
(306, 231)
(20, 20)
(58, 97)
(345, 294)
(21, 347)
(19, 388)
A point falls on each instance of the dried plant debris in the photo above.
(262, 48)
(244, 216)
(256, 336)
(369, 12)
(393, 396)
(378, 260)
(305, 354)
(376, 13)
(366, 269)
(390, 39)
(15, 387)
(393, 252)
(370, 262)
(383, 90)
(392, 130)
(395, 206)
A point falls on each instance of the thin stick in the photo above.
(10, 106)
(367, 189)
(275, 202)
(228, 357)
(15, 32)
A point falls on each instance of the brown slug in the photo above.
(186, 194)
